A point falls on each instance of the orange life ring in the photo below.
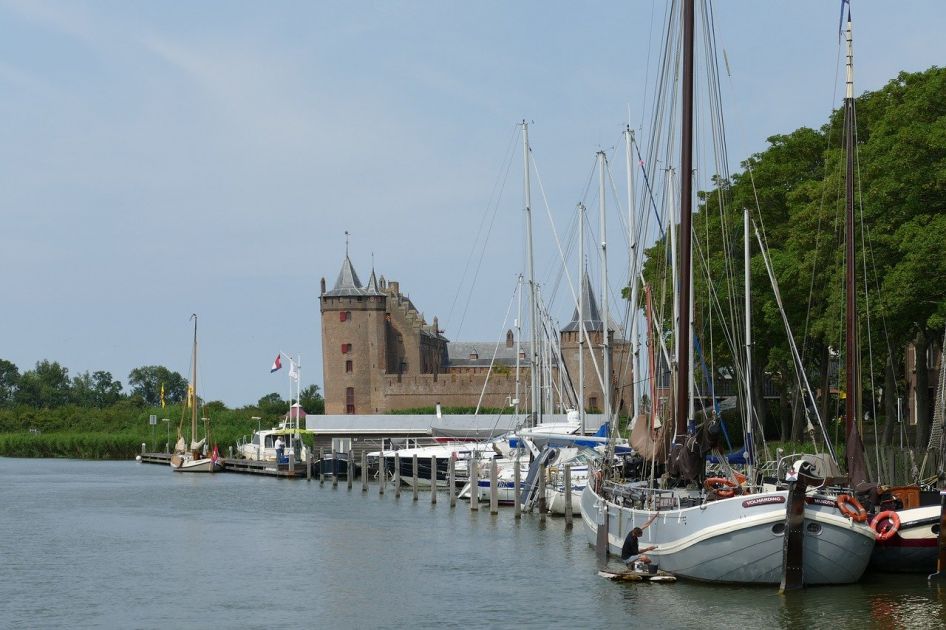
(723, 487)
(887, 532)
(851, 508)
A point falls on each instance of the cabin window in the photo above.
(348, 366)
(256, 439)
(349, 400)
(341, 445)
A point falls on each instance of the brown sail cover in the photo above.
(649, 443)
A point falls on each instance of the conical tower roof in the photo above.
(372, 288)
(590, 313)
(347, 282)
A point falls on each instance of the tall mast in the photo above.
(518, 345)
(606, 343)
(632, 275)
(852, 406)
(581, 316)
(686, 201)
(536, 397)
(194, 384)
(748, 304)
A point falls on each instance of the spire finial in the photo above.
(346, 243)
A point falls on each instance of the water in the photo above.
(118, 544)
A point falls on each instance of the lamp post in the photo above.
(167, 445)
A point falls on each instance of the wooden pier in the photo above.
(245, 466)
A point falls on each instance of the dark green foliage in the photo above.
(146, 382)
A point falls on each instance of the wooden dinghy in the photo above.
(625, 574)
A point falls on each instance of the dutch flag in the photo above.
(277, 364)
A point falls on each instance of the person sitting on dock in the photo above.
(630, 551)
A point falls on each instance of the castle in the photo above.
(379, 355)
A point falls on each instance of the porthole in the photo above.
(778, 529)
(814, 529)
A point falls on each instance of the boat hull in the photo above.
(915, 546)
(203, 465)
(738, 540)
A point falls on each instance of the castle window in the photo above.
(349, 400)
(348, 366)
(342, 316)
(509, 339)
(346, 348)
(593, 402)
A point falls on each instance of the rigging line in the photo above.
(495, 196)
(496, 349)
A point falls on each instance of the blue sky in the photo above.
(159, 159)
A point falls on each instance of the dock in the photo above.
(245, 466)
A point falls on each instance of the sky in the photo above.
(162, 159)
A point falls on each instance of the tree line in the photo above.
(795, 192)
(49, 386)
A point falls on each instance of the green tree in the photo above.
(9, 377)
(48, 385)
(311, 400)
(146, 382)
(272, 405)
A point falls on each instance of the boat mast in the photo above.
(686, 194)
(632, 275)
(748, 285)
(194, 384)
(518, 345)
(581, 316)
(852, 386)
(536, 398)
(605, 344)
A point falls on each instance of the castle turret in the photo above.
(352, 343)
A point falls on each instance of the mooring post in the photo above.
(322, 466)
(433, 479)
(334, 468)
(292, 464)
(364, 471)
(452, 481)
(517, 488)
(541, 502)
(142, 448)
(308, 465)
(601, 540)
(493, 487)
(230, 453)
(397, 476)
(382, 472)
(351, 467)
(941, 539)
(414, 470)
(568, 496)
(474, 484)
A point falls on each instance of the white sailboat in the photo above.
(194, 458)
(721, 535)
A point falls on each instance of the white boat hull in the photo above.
(738, 540)
(183, 463)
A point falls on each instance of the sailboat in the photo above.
(729, 534)
(193, 458)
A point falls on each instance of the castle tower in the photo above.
(352, 343)
(594, 331)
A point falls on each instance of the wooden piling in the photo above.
(308, 465)
(334, 468)
(493, 487)
(541, 498)
(568, 496)
(321, 466)
(397, 476)
(452, 481)
(382, 473)
(292, 465)
(351, 468)
(414, 470)
(433, 479)
(474, 484)
(517, 488)
(364, 471)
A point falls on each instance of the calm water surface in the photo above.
(119, 544)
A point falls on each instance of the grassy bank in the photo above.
(112, 433)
